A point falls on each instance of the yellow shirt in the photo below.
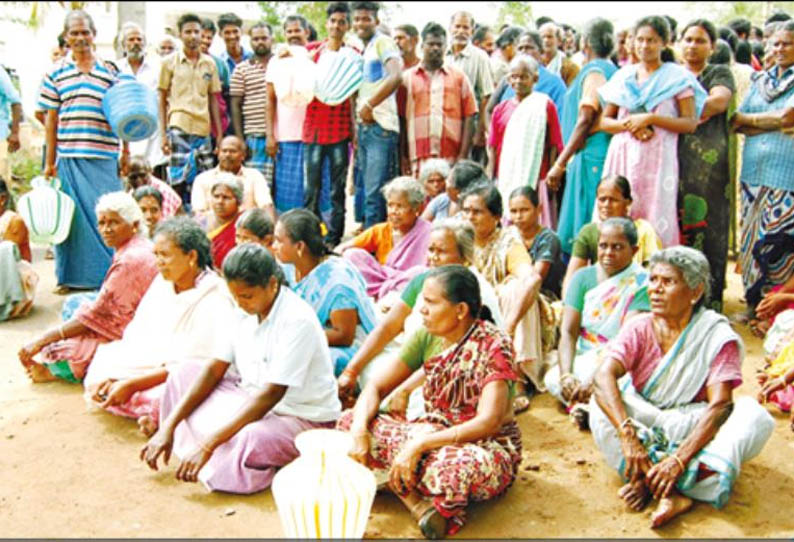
(189, 88)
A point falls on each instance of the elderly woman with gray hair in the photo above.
(672, 429)
(386, 253)
(68, 349)
(227, 196)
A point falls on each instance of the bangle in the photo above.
(367, 104)
(753, 121)
(557, 165)
(60, 333)
(625, 422)
(456, 435)
(680, 463)
(563, 376)
(350, 372)
(782, 380)
(206, 448)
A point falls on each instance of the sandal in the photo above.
(432, 524)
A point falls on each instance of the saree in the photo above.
(585, 168)
(455, 475)
(336, 285)
(664, 412)
(782, 362)
(605, 309)
(223, 241)
(168, 328)
(400, 265)
(651, 166)
(130, 274)
(18, 282)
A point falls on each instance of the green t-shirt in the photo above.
(411, 292)
(420, 347)
(586, 279)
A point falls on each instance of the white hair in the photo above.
(413, 191)
(230, 181)
(176, 42)
(524, 61)
(126, 207)
(434, 166)
(127, 27)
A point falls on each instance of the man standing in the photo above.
(474, 62)
(188, 86)
(9, 137)
(256, 193)
(87, 150)
(285, 129)
(327, 131)
(439, 105)
(484, 39)
(230, 27)
(553, 58)
(248, 93)
(208, 30)
(406, 36)
(378, 125)
(146, 70)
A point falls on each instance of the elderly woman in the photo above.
(777, 377)
(329, 283)
(464, 173)
(500, 255)
(232, 421)
(647, 105)
(451, 243)
(467, 447)
(433, 176)
(704, 190)
(600, 299)
(227, 195)
(767, 237)
(150, 200)
(19, 280)
(674, 431)
(385, 252)
(613, 200)
(584, 152)
(530, 124)
(67, 350)
(177, 320)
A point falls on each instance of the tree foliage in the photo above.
(275, 13)
(724, 12)
(515, 13)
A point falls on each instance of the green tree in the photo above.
(724, 12)
(275, 13)
(515, 13)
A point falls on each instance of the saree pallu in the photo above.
(402, 263)
(83, 259)
(767, 240)
(455, 475)
(222, 241)
(664, 414)
(336, 285)
(585, 168)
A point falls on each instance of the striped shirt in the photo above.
(248, 82)
(477, 66)
(83, 130)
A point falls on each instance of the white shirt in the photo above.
(288, 348)
(149, 75)
(256, 192)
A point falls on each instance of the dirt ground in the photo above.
(68, 472)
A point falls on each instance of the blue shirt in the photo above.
(768, 158)
(231, 64)
(8, 97)
(549, 84)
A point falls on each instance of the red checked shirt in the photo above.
(436, 106)
(326, 124)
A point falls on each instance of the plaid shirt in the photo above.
(326, 124)
(171, 200)
(436, 106)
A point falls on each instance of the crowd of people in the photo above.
(537, 210)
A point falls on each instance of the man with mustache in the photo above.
(439, 106)
(145, 70)
(285, 127)
(189, 86)
(476, 64)
(87, 150)
(248, 91)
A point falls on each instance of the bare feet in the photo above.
(38, 373)
(635, 494)
(61, 289)
(520, 404)
(147, 425)
(670, 507)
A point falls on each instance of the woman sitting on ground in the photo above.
(613, 199)
(464, 173)
(433, 176)
(254, 226)
(451, 242)
(67, 350)
(467, 447)
(676, 432)
(227, 195)
(600, 299)
(330, 284)
(233, 421)
(386, 251)
(500, 255)
(777, 376)
(150, 200)
(177, 320)
(18, 280)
